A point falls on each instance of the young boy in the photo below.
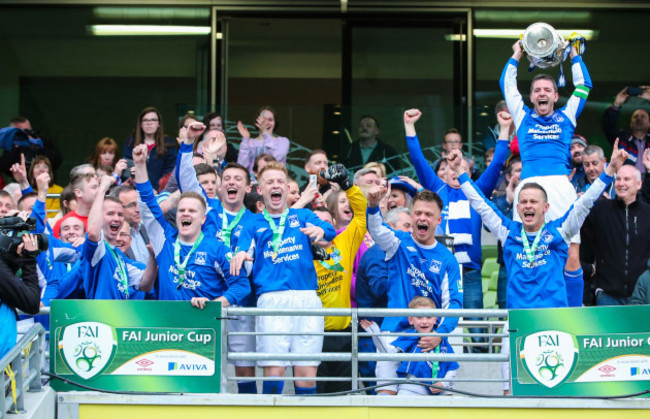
(409, 344)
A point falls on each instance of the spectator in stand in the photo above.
(578, 146)
(260, 161)
(380, 168)
(27, 142)
(265, 142)
(214, 121)
(618, 230)
(105, 153)
(369, 148)
(41, 164)
(594, 162)
(402, 190)
(638, 139)
(162, 149)
(315, 163)
(7, 203)
(67, 203)
(83, 181)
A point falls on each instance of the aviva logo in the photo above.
(177, 366)
(639, 371)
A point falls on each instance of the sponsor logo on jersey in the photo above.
(293, 221)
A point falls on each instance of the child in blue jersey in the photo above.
(409, 344)
(278, 241)
(545, 136)
(225, 218)
(421, 265)
(107, 273)
(191, 266)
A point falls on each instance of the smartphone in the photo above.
(634, 91)
(313, 179)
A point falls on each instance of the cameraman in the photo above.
(17, 293)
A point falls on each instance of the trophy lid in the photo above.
(540, 40)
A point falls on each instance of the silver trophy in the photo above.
(543, 45)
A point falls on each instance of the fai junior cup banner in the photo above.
(153, 346)
(586, 351)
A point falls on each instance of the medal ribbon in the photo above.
(530, 250)
(227, 228)
(180, 267)
(336, 259)
(121, 270)
(278, 231)
(435, 366)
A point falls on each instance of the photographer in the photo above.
(16, 292)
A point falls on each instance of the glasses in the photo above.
(150, 121)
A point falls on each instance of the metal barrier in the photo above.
(15, 379)
(495, 320)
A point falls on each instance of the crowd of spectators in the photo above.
(199, 218)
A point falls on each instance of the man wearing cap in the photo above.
(578, 145)
(638, 138)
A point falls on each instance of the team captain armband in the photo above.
(582, 91)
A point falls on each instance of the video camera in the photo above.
(11, 231)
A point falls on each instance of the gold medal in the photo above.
(274, 255)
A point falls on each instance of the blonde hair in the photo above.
(380, 167)
(274, 165)
(420, 301)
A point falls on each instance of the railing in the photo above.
(495, 320)
(20, 370)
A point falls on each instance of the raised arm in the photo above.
(508, 83)
(384, 237)
(495, 221)
(488, 180)
(96, 215)
(154, 219)
(426, 175)
(583, 85)
(185, 174)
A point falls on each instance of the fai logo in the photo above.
(549, 356)
(88, 348)
(293, 221)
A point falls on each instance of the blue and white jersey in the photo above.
(8, 333)
(539, 284)
(545, 141)
(459, 220)
(293, 266)
(419, 270)
(101, 275)
(187, 181)
(207, 273)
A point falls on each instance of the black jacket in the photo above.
(620, 238)
(382, 153)
(16, 293)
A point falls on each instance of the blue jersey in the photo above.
(101, 274)
(293, 266)
(540, 283)
(423, 369)
(8, 333)
(428, 271)
(545, 141)
(207, 272)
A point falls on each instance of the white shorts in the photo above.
(561, 195)
(241, 343)
(293, 324)
(386, 371)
